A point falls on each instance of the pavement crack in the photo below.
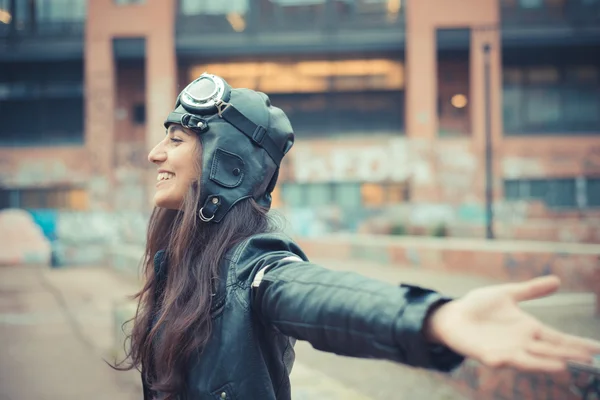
(65, 310)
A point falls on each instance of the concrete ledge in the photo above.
(578, 265)
(451, 243)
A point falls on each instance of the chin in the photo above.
(165, 202)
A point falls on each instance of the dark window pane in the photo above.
(212, 16)
(366, 14)
(318, 194)
(512, 109)
(347, 195)
(552, 192)
(292, 194)
(582, 108)
(542, 107)
(5, 199)
(511, 189)
(343, 113)
(139, 114)
(538, 189)
(291, 15)
(593, 192)
(561, 193)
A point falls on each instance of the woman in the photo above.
(226, 296)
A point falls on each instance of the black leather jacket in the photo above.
(270, 295)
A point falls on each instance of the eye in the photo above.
(174, 139)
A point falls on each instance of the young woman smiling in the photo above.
(226, 295)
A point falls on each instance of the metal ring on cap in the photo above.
(202, 217)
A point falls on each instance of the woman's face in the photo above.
(176, 157)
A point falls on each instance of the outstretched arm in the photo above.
(348, 314)
(340, 312)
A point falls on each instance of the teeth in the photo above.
(163, 176)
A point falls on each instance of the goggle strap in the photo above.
(256, 133)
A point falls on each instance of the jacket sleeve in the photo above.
(339, 312)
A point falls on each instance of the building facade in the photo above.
(411, 116)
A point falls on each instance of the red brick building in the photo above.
(391, 101)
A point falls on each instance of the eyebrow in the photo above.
(177, 128)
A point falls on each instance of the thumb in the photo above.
(534, 288)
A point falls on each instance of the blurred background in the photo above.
(450, 143)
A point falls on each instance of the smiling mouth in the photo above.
(164, 176)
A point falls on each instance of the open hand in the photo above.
(488, 325)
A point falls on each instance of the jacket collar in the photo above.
(160, 265)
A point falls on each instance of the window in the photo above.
(453, 90)
(593, 192)
(212, 16)
(60, 10)
(211, 7)
(291, 14)
(541, 100)
(55, 92)
(292, 195)
(372, 13)
(139, 114)
(44, 198)
(554, 193)
(378, 195)
(340, 114)
(325, 97)
(58, 122)
(58, 16)
(346, 195)
(318, 194)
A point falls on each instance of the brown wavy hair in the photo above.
(172, 322)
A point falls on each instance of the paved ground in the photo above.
(54, 330)
(56, 325)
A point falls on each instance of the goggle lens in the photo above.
(202, 89)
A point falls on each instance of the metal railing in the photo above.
(42, 19)
(263, 16)
(550, 13)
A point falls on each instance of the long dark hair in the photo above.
(181, 307)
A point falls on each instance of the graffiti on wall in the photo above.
(87, 237)
(101, 227)
(386, 160)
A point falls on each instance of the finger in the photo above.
(534, 288)
(548, 350)
(562, 339)
(527, 362)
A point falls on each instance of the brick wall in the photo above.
(448, 175)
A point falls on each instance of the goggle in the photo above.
(205, 96)
(208, 96)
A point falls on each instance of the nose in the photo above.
(157, 155)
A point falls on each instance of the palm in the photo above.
(488, 325)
